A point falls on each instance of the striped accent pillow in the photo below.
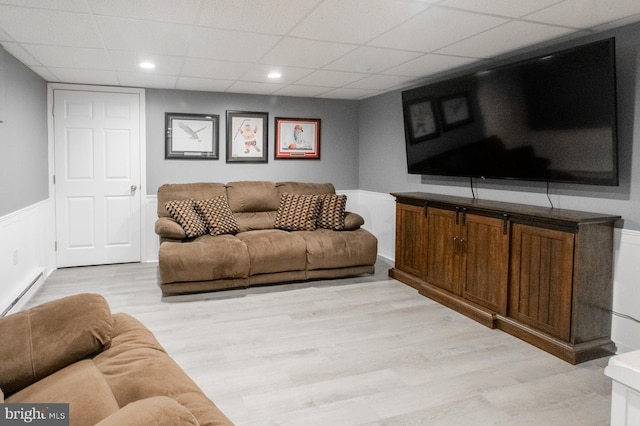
(184, 212)
(332, 211)
(218, 215)
(297, 212)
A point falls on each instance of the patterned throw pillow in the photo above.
(184, 212)
(332, 211)
(297, 212)
(218, 215)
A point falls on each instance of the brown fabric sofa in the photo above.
(259, 253)
(110, 369)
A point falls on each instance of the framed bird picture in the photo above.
(191, 136)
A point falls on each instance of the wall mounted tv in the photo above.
(551, 118)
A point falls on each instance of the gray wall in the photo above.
(23, 136)
(383, 165)
(338, 148)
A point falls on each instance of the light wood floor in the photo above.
(365, 351)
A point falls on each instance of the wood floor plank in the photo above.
(362, 351)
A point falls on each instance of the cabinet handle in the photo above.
(505, 223)
(462, 246)
(464, 216)
(455, 245)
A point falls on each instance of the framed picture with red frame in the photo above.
(297, 138)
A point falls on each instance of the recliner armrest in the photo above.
(157, 411)
(50, 336)
(168, 228)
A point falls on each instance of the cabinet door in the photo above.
(443, 249)
(541, 279)
(410, 239)
(486, 250)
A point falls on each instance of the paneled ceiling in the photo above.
(346, 49)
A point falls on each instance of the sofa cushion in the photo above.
(274, 250)
(185, 191)
(206, 258)
(328, 249)
(297, 212)
(252, 196)
(332, 211)
(81, 385)
(156, 411)
(218, 215)
(185, 213)
(308, 188)
(50, 336)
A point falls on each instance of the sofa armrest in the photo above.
(48, 337)
(157, 411)
(167, 227)
(352, 221)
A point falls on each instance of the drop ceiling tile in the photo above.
(371, 59)
(4, 36)
(143, 79)
(355, 21)
(509, 8)
(271, 17)
(70, 57)
(182, 12)
(586, 13)
(258, 73)
(212, 69)
(300, 90)
(254, 88)
(325, 78)
(130, 61)
(40, 26)
(228, 45)
(17, 51)
(436, 28)
(72, 75)
(144, 36)
(381, 82)
(297, 52)
(344, 93)
(203, 84)
(65, 5)
(429, 64)
(512, 36)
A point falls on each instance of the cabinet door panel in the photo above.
(542, 279)
(486, 251)
(410, 239)
(443, 261)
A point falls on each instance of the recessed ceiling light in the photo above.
(147, 65)
(274, 75)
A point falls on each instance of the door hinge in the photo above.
(55, 246)
(54, 179)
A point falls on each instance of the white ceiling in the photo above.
(348, 49)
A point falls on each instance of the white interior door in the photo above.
(97, 175)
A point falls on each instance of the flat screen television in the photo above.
(550, 118)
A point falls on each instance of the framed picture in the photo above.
(191, 136)
(247, 134)
(297, 138)
(455, 111)
(420, 120)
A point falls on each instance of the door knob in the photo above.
(133, 188)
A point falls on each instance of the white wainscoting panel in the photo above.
(150, 238)
(27, 252)
(625, 330)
